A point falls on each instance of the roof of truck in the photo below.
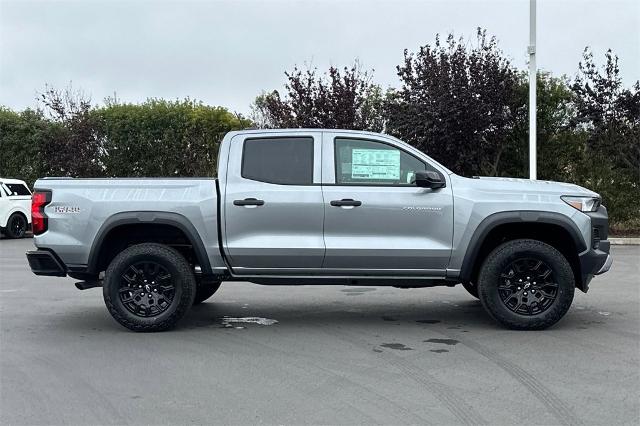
(302, 131)
(306, 130)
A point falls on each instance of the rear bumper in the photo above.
(43, 262)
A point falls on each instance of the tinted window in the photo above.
(361, 161)
(279, 160)
(17, 189)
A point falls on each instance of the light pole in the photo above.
(532, 91)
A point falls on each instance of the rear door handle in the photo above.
(346, 202)
(248, 202)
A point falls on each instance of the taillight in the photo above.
(39, 222)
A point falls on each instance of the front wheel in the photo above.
(526, 285)
(149, 287)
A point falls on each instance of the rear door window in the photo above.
(280, 160)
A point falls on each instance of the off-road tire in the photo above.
(182, 278)
(490, 278)
(205, 291)
(16, 226)
(471, 288)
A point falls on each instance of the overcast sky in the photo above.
(227, 52)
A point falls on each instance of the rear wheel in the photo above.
(16, 226)
(205, 291)
(149, 287)
(526, 285)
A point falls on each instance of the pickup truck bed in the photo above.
(78, 233)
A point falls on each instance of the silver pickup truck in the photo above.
(327, 207)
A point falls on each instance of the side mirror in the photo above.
(429, 179)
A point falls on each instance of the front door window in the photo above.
(366, 162)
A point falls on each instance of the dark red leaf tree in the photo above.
(338, 99)
(458, 103)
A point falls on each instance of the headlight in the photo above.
(584, 204)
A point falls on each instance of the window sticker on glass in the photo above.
(375, 164)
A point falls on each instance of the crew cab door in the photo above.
(273, 206)
(376, 221)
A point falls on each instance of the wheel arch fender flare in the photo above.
(19, 210)
(148, 217)
(491, 222)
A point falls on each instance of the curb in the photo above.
(624, 241)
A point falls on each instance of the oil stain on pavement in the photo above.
(396, 346)
(449, 342)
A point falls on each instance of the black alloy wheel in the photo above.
(149, 287)
(17, 226)
(527, 286)
(146, 288)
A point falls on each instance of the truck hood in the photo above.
(527, 186)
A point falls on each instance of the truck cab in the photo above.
(332, 203)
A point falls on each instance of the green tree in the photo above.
(608, 114)
(609, 111)
(22, 138)
(559, 144)
(163, 138)
(559, 147)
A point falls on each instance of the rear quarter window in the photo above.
(17, 189)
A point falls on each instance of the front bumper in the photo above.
(597, 259)
(43, 262)
(594, 262)
(606, 266)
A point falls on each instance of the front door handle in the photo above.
(346, 202)
(248, 202)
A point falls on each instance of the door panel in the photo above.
(393, 228)
(397, 228)
(273, 228)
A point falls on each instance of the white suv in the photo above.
(15, 207)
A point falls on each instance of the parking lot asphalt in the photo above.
(336, 355)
